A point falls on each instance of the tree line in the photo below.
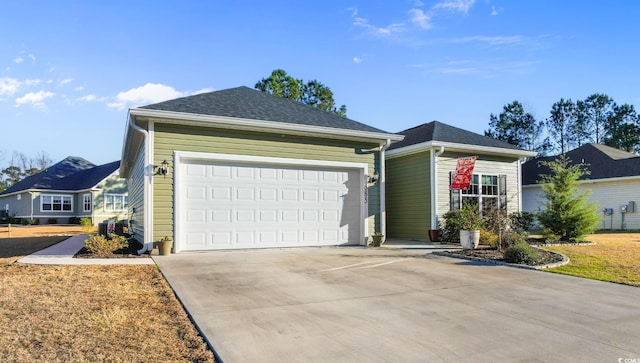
(596, 119)
(21, 166)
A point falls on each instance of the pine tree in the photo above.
(568, 215)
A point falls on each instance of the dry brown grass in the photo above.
(18, 231)
(12, 249)
(615, 258)
(93, 313)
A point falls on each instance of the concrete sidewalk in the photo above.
(62, 254)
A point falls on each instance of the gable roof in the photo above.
(436, 133)
(246, 103)
(602, 161)
(71, 174)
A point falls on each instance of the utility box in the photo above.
(631, 207)
(623, 208)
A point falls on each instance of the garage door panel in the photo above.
(246, 205)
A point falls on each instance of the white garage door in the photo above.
(236, 205)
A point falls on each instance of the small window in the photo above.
(86, 202)
(19, 196)
(116, 202)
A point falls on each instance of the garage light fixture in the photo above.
(164, 168)
(374, 178)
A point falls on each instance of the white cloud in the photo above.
(357, 60)
(34, 98)
(18, 59)
(381, 31)
(147, 94)
(418, 3)
(65, 81)
(8, 86)
(203, 90)
(455, 5)
(496, 40)
(87, 98)
(31, 82)
(78, 88)
(494, 10)
(33, 58)
(419, 18)
(354, 11)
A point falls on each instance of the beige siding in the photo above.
(408, 196)
(609, 194)
(484, 165)
(170, 138)
(112, 185)
(136, 197)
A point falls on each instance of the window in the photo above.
(488, 191)
(55, 203)
(116, 202)
(86, 202)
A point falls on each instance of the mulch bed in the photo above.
(495, 255)
(127, 252)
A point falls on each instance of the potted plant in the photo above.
(435, 235)
(164, 246)
(471, 224)
(377, 239)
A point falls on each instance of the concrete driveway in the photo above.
(395, 305)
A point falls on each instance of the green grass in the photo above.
(615, 258)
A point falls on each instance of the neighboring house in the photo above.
(72, 188)
(613, 181)
(419, 172)
(239, 168)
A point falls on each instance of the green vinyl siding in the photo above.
(170, 138)
(408, 196)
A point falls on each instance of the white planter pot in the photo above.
(469, 239)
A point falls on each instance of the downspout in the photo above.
(434, 187)
(146, 246)
(519, 185)
(382, 186)
(31, 202)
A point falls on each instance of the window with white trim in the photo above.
(486, 190)
(56, 203)
(116, 202)
(86, 202)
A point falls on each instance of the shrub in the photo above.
(34, 222)
(86, 224)
(521, 252)
(522, 221)
(452, 226)
(488, 238)
(52, 221)
(511, 238)
(74, 220)
(102, 247)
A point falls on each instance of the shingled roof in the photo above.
(438, 131)
(602, 162)
(71, 174)
(244, 102)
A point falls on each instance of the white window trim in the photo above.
(124, 207)
(62, 197)
(481, 196)
(84, 202)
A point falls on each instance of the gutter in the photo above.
(383, 186)
(146, 246)
(434, 186)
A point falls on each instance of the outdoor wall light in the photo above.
(164, 168)
(374, 178)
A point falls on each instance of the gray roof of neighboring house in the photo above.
(244, 102)
(72, 173)
(438, 131)
(602, 162)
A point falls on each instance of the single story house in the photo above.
(420, 169)
(73, 188)
(239, 168)
(613, 181)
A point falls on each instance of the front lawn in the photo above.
(615, 258)
(91, 313)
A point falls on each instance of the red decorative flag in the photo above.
(464, 173)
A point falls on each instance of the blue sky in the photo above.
(70, 70)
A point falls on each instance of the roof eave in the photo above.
(184, 118)
(451, 146)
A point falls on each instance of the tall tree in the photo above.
(21, 167)
(568, 215)
(312, 93)
(561, 124)
(592, 117)
(623, 129)
(517, 127)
